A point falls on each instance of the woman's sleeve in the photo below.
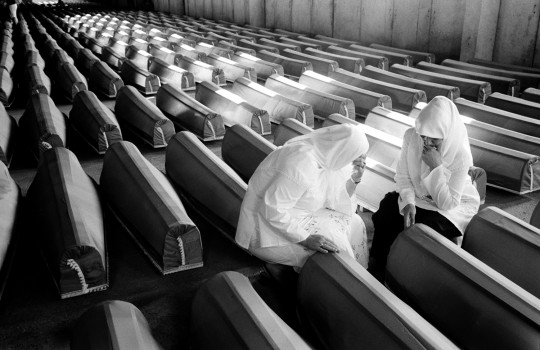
(404, 184)
(280, 197)
(445, 187)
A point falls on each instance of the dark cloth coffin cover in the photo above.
(70, 80)
(393, 57)
(417, 56)
(403, 98)
(6, 88)
(345, 307)
(85, 61)
(171, 74)
(189, 114)
(351, 64)
(288, 129)
(500, 84)
(36, 81)
(514, 105)
(6, 61)
(147, 204)
(94, 121)
(138, 57)
(143, 117)
(232, 69)
(531, 94)
(498, 117)
(113, 325)
(219, 51)
(279, 45)
(201, 71)
(257, 47)
(8, 126)
(112, 58)
(319, 64)
(504, 66)
(279, 107)
(364, 100)
(33, 57)
(472, 304)
(104, 80)
(431, 89)
(323, 103)
(189, 52)
(227, 310)
(219, 191)
(66, 208)
(526, 79)
(291, 66)
(508, 245)
(43, 124)
(233, 108)
(474, 90)
(369, 59)
(243, 150)
(146, 82)
(263, 68)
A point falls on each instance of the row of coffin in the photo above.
(439, 279)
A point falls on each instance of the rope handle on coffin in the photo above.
(74, 266)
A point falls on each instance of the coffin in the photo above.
(336, 41)
(144, 81)
(6, 88)
(364, 100)
(201, 71)
(138, 57)
(7, 136)
(171, 74)
(291, 66)
(508, 245)
(95, 122)
(104, 80)
(6, 61)
(230, 309)
(469, 302)
(351, 64)
(113, 325)
(531, 94)
(262, 68)
(65, 205)
(323, 103)
(70, 81)
(393, 57)
(142, 117)
(33, 57)
(288, 129)
(514, 105)
(147, 205)
(377, 61)
(233, 108)
(220, 191)
(43, 124)
(279, 107)
(189, 52)
(323, 44)
(36, 81)
(231, 69)
(417, 56)
(235, 48)
(162, 53)
(319, 64)
(248, 44)
(216, 50)
(365, 314)
(189, 114)
(85, 61)
(279, 45)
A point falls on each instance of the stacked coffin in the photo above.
(147, 205)
(66, 207)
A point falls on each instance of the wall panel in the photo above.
(322, 17)
(208, 9)
(301, 14)
(257, 13)
(240, 8)
(176, 7)
(228, 10)
(411, 21)
(376, 20)
(446, 28)
(347, 19)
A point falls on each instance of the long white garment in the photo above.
(448, 188)
(292, 185)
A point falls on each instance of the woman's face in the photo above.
(431, 142)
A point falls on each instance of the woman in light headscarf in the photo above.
(433, 183)
(301, 200)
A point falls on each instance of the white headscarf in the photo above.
(335, 148)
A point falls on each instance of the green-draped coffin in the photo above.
(189, 114)
(96, 123)
(70, 81)
(113, 325)
(508, 245)
(8, 127)
(147, 205)
(146, 82)
(228, 313)
(320, 65)
(468, 301)
(219, 191)
(104, 80)
(345, 307)
(514, 105)
(68, 223)
(36, 81)
(171, 74)
(291, 66)
(263, 68)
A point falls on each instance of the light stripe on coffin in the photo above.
(147, 205)
(233, 108)
(508, 245)
(112, 325)
(403, 98)
(369, 59)
(351, 64)
(345, 307)
(514, 105)
(201, 71)
(235, 48)
(66, 208)
(469, 302)
(291, 67)
(231, 69)
(279, 107)
(70, 81)
(337, 42)
(364, 100)
(138, 57)
(36, 81)
(219, 191)
(257, 47)
(185, 50)
(431, 89)
(162, 53)
(170, 74)
(319, 64)
(417, 56)
(142, 117)
(189, 114)
(210, 49)
(323, 103)
(263, 68)
(104, 80)
(94, 122)
(144, 81)
(228, 308)
(393, 57)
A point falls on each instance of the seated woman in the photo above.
(301, 200)
(433, 184)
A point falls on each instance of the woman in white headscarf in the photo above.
(301, 200)
(432, 178)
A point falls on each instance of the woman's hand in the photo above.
(320, 243)
(409, 213)
(358, 168)
(431, 156)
